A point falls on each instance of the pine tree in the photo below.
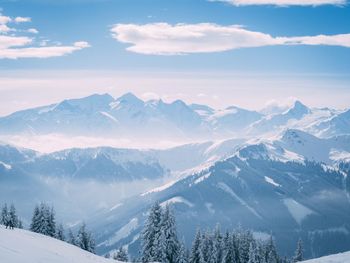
(150, 250)
(271, 253)
(51, 222)
(217, 245)
(34, 226)
(84, 239)
(299, 252)
(245, 238)
(71, 238)
(60, 233)
(253, 253)
(229, 251)
(121, 255)
(195, 250)
(262, 252)
(182, 255)
(13, 219)
(43, 220)
(206, 248)
(169, 242)
(4, 215)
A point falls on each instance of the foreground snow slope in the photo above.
(18, 246)
(336, 258)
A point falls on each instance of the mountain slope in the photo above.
(336, 258)
(264, 192)
(336, 125)
(273, 122)
(327, 150)
(18, 246)
(103, 175)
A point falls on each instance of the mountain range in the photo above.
(131, 117)
(280, 172)
(269, 187)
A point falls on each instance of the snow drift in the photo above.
(18, 246)
(336, 258)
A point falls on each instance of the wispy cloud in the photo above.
(13, 46)
(283, 2)
(33, 31)
(166, 39)
(20, 19)
(41, 52)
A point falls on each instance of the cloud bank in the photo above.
(283, 2)
(13, 46)
(178, 39)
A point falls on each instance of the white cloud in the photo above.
(33, 31)
(12, 41)
(4, 19)
(283, 2)
(4, 28)
(41, 52)
(342, 40)
(166, 39)
(20, 19)
(14, 46)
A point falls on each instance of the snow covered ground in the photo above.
(336, 258)
(18, 246)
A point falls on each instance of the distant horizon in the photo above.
(272, 103)
(254, 91)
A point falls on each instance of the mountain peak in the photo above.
(299, 104)
(179, 103)
(129, 98)
(298, 109)
(94, 102)
(101, 97)
(93, 98)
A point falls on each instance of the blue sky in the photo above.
(86, 29)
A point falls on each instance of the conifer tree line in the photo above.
(160, 243)
(9, 217)
(44, 222)
(159, 239)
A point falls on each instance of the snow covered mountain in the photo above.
(331, 150)
(261, 186)
(335, 125)
(133, 118)
(103, 115)
(18, 246)
(108, 175)
(280, 172)
(103, 175)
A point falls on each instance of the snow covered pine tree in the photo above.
(9, 218)
(84, 239)
(299, 252)
(43, 220)
(121, 255)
